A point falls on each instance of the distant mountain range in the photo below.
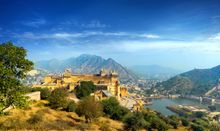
(86, 64)
(154, 71)
(196, 82)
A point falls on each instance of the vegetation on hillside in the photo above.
(195, 82)
(89, 108)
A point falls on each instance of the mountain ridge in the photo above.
(196, 81)
(86, 63)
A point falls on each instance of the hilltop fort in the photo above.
(107, 83)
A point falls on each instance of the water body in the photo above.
(161, 104)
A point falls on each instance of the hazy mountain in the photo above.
(197, 81)
(154, 71)
(86, 64)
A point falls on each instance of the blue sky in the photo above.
(182, 34)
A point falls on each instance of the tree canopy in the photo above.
(89, 108)
(112, 108)
(13, 68)
(58, 98)
(85, 89)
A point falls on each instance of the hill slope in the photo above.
(86, 64)
(50, 119)
(196, 82)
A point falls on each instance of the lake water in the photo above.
(161, 104)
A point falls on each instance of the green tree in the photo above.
(112, 108)
(196, 127)
(109, 105)
(200, 114)
(71, 107)
(135, 121)
(58, 98)
(85, 89)
(174, 121)
(89, 108)
(158, 124)
(185, 122)
(13, 68)
(119, 113)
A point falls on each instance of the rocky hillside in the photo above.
(86, 64)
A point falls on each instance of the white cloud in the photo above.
(94, 24)
(35, 23)
(150, 36)
(65, 35)
(215, 37)
(178, 46)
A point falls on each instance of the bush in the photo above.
(36, 118)
(185, 122)
(196, 127)
(89, 108)
(58, 98)
(71, 107)
(109, 105)
(202, 122)
(105, 127)
(45, 93)
(135, 121)
(112, 108)
(174, 121)
(174, 124)
(199, 114)
(85, 89)
(119, 113)
(158, 124)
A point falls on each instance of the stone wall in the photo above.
(34, 96)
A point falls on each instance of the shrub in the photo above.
(85, 89)
(112, 108)
(149, 116)
(109, 105)
(158, 124)
(196, 127)
(119, 113)
(185, 122)
(174, 124)
(58, 98)
(199, 114)
(174, 121)
(105, 127)
(89, 108)
(202, 122)
(135, 121)
(45, 93)
(71, 107)
(36, 118)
